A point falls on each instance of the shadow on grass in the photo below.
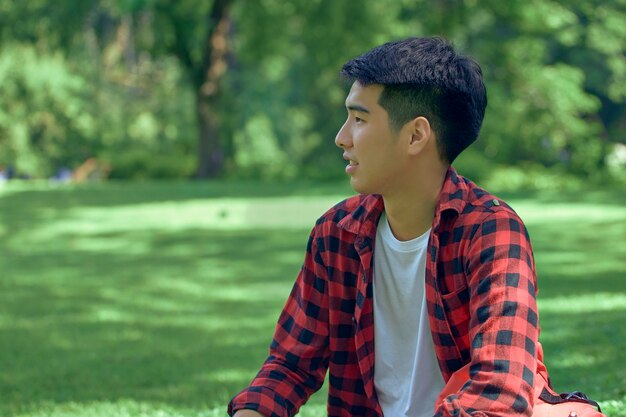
(575, 257)
(582, 301)
(585, 352)
(185, 322)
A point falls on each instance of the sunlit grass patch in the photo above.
(590, 303)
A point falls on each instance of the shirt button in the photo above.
(495, 202)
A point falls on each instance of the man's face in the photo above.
(375, 153)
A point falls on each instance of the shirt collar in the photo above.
(364, 215)
(454, 193)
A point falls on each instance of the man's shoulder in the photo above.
(478, 198)
(480, 205)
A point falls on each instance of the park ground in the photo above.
(159, 299)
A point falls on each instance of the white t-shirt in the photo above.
(407, 378)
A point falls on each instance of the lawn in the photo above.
(159, 299)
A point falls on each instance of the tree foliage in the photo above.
(173, 89)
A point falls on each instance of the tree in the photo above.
(194, 32)
(555, 72)
(205, 69)
(259, 80)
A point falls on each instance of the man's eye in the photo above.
(358, 119)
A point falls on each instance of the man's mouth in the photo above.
(351, 161)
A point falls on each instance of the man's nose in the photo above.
(343, 139)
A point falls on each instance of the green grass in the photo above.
(159, 299)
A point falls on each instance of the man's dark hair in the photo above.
(426, 77)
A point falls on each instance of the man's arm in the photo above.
(298, 357)
(503, 326)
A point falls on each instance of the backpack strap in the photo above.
(575, 396)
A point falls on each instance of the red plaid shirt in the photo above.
(480, 290)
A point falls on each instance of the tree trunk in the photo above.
(210, 153)
(210, 149)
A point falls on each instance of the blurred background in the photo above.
(134, 89)
(162, 163)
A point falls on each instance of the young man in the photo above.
(420, 274)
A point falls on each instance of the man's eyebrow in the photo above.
(357, 107)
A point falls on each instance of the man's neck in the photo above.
(411, 211)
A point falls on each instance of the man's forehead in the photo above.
(361, 94)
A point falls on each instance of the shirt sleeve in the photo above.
(503, 327)
(298, 357)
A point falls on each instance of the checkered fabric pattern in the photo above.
(480, 290)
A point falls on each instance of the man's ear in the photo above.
(421, 134)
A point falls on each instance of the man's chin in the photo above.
(359, 187)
